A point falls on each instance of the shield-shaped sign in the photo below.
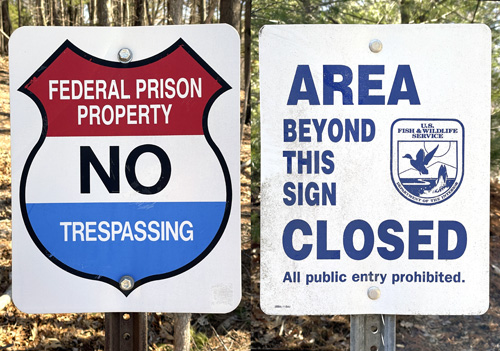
(125, 184)
(427, 159)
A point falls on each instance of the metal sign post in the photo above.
(373, 332)
(126, 332)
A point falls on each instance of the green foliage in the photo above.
(255, 231)
(495, 142)
(199, 339)
(14, 14)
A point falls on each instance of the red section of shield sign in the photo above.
(105, 98)
(168, 95)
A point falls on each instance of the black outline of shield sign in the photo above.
(224, 87)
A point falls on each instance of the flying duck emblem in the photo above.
(421, 160)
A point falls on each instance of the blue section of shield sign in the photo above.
(427, 159)
(126, 231)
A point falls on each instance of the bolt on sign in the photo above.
(125, 149)
(375, 169)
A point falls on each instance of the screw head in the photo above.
(126, 283)
(375, 45)
(125, 55)
(374, 293)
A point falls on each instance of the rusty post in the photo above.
(126, 332)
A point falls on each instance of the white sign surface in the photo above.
(375, 169)
(125, 173)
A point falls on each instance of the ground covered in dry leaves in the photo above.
(20, 331)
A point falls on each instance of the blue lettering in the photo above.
(403, 74)
(365, 84)
(303, 74)
(288, 188)
(352, 130)
(335, 137)
(319, 128)
(328, 165)
(303, 79)
(364, 124)
(369, 239)
(330, 86)
(291, 227)
(388, 231)
(314, 200)
(315, 194)
(336, 130)
(416, 239)
(289, 133)
(304, 160)
(329, 193)
(289, 156)
(390, 239)
(443, 240)
(304, 129)
(322, 250)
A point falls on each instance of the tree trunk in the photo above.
(92, 12)
(7, 24)
(32, 16)
(62, 12)
(71, 13)
(103, 13)
(182, 331)
(211, 11)
(181, 320)
(405, 11)
(248, 63)
(230, 13)
(174, 11)
(121, 13)
(57, 13)
(19, 13)
(203, 10)
(41, 12)
(192, 19)
(51, 12)
(2, 38)
(139, 13)
(127, 13)
(164, 19)
(81, 13)
(147, 15)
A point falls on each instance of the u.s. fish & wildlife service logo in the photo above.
(427, 158)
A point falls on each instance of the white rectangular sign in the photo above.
(125, 169)
(375, 169)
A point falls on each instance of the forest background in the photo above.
(247, 16)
